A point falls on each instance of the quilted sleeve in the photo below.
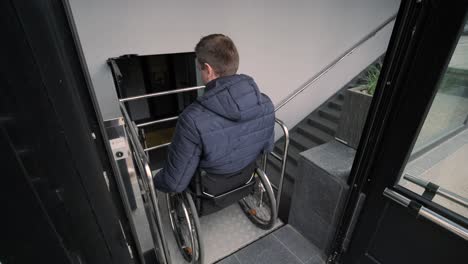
(183, 157)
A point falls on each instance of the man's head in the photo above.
(216, 56)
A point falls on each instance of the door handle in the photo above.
(428, 214)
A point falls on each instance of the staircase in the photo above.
(317, 128)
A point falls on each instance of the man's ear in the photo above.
(209, 69)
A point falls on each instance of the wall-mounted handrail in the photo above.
(293, 94)
(297, 91)
(144, 96)
(334, 63)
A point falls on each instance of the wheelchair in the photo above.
(250, 188)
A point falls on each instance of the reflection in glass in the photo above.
(440, 154)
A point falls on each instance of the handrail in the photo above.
(157, 121)
(276, 156)
(283, 161)
(146, 180)
(133, 131)
(297, 91)
(427, 213)
(157, 146)
(144, 96)
(438, 190)
(334, 63)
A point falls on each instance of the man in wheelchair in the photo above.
(219, 137)
(223, 131)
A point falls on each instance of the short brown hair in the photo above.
(219, 52)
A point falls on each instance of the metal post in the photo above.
(284, 159)
(264, 164)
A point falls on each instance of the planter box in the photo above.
(353, 116)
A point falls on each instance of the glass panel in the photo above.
(440, 154)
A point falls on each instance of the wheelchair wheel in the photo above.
(260, 205)
(185, 225)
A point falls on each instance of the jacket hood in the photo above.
(234, 97)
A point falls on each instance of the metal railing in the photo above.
(437, 190)
(145, 96)
(334, 63)
(146, 186)
(428, 214)
(282, 158)
(157, 121)
(279, 188)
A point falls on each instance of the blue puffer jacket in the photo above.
(221, 132)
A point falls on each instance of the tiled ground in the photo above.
(459, 58)
(447, 112)
(284, 246)
(445, 165)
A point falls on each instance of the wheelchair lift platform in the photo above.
(223, 232)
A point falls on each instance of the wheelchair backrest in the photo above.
(216, 191)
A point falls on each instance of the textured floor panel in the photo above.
(283, 246)
(224, 233)
(227, 231)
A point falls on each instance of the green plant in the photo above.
(372, 77)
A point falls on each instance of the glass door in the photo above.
(411, 167)
(437, 169)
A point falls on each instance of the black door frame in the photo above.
(398, 109)
(41, 51)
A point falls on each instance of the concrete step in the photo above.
(323, 124)
(274, 169)
(336, 104)
(330, 114)
(293, 152)
(314, 134)
(340, 96)
(301, 141)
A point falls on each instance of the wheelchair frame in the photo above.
(194, 253)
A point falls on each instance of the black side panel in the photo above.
(423, 242)
(46, 112)
(27, 235)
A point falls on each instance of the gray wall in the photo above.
(281, 43)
